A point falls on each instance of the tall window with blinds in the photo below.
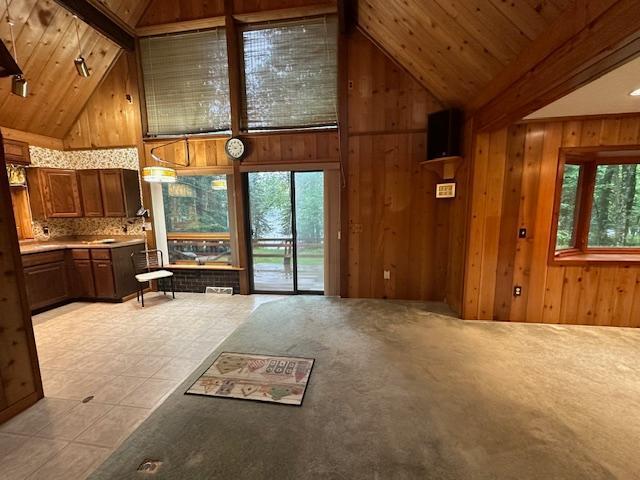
(186, 83)
(290, 74)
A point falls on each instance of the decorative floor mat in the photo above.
(265, 378)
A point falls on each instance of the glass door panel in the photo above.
(309, 230)
(270, 223)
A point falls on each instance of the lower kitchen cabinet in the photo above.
(79, 273)
(103, 277)
(46, 284)
(82, 272)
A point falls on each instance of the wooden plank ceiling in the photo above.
(454, 48)
(46, 46)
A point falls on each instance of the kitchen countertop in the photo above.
(62, 243)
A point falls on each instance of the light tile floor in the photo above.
(127, 358)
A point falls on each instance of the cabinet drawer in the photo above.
(80, 254)
(101, 253)
(32, 259)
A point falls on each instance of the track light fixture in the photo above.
(19, 84)
(80, 62)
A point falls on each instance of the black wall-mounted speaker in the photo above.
(444, 133)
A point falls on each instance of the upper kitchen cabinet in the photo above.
(54, 193)
(16, 152)
(59, 193)
(120, 191)
(90, 193)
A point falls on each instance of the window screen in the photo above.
(290, 74)
(186, 82)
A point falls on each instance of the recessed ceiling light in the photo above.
(635, 93)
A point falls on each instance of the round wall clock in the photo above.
(235, 148)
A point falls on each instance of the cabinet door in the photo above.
(46, 284)
(61, 193)
(83, 274)
(103, 277)
(112, 193)
(90, 193)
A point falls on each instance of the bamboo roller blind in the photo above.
(186, 82)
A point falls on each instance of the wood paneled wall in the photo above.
(108, 119)
(514, 173)
(277, 149)
(395, 222)
(20, 384)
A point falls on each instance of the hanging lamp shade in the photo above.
(155, 174)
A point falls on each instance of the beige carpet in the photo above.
(398, 392)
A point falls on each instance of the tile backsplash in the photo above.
(82, 160)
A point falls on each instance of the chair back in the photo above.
(147, 260)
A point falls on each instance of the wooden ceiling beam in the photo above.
(590, 39)
(101, 22)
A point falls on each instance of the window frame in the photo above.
(588, 158)
(224, 236)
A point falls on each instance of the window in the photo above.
(186, 83)
(598, 206)
(290, 74)
(196, 210)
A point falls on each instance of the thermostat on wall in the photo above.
(445, 190)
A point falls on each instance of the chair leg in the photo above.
(173, 287)
(138, 294)
(142, 295)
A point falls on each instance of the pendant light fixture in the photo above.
(81, 64)
(19, 84)
(158, 174)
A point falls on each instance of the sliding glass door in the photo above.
(286, 229)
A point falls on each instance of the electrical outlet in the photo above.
(522, 233)
(147, 227)
(45, 230)
(517, 291)
(387, 275)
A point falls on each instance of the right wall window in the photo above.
(598, 204)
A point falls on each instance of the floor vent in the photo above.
(149, 466)
(220, 290)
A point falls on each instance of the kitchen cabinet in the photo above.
(103, 276)
(111, 192)
(79, 273)
(54, 193)
(45, 277)
(16, 152)
(90, 193)
(120, 191)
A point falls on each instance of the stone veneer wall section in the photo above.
(197, 281)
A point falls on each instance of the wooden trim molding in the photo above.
(32, 138)
(184, 26)
(287, 13)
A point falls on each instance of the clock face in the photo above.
(235, 148)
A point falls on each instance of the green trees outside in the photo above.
(615, 212)
(615, 216)
(270, 205)
(195, 205)
(568, 202)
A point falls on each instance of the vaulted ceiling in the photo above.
(46, 46)
(456, 47)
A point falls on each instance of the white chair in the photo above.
(148, 265)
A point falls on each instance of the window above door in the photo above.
(597, 207)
